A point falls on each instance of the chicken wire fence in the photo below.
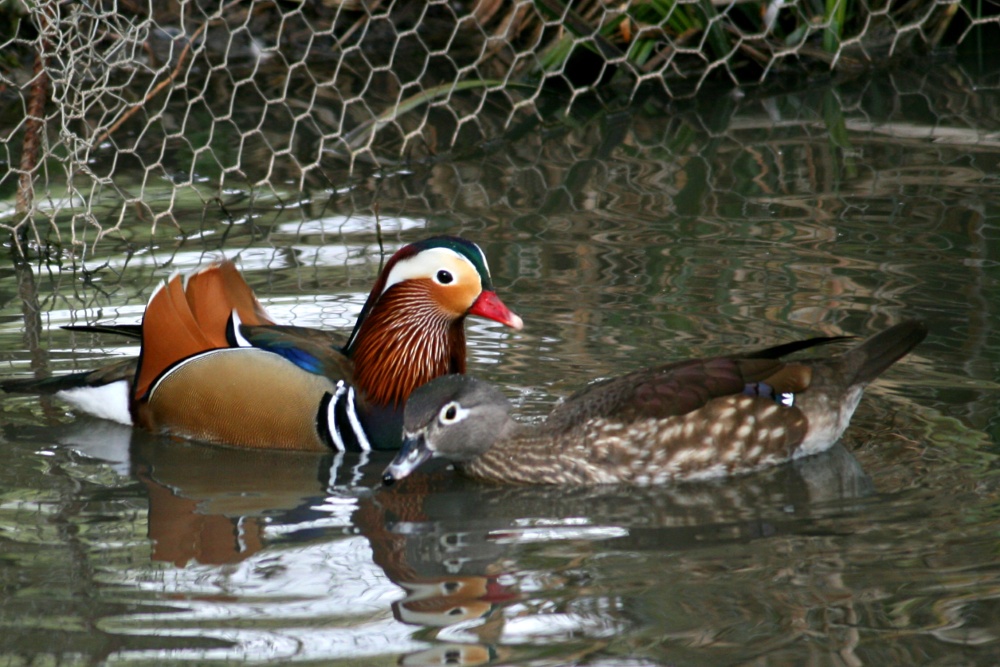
(150, 109)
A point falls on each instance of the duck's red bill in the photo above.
(490, 306)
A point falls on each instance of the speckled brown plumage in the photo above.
(694, 419)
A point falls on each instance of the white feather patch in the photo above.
(352, 416)
(331, 417)
(423, 265)
(108, 401)
(241, 340)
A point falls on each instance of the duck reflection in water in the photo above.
(493, 562)
(210, 504)
(477, 566)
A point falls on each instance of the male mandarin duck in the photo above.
(213, 366)
(697, 419)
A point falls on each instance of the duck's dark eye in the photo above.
(445, 277)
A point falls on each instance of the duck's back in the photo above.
(698, 419)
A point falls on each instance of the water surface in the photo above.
(623, 238)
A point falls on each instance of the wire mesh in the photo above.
(155, 109)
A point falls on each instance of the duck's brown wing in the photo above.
(677, 389)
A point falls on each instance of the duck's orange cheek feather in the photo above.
(455, 299)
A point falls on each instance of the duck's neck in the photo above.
(404, 342)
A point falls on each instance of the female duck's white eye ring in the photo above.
(452, 413)
(444, 277)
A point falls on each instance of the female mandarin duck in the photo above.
(213, 366)
(690, 420)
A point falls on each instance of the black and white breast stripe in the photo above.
(338, 422)
(233, 333)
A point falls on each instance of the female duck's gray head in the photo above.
(456, 417)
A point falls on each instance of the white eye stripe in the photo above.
(426, 263)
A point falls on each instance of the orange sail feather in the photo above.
(185, 319)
